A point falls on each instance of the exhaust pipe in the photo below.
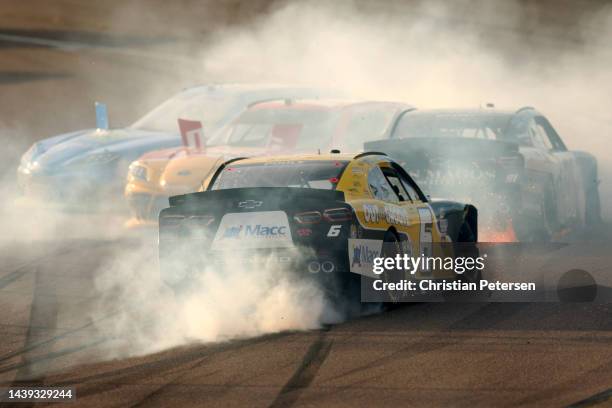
(328, 266)
(314, 267)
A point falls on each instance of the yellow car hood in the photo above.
(186, 171)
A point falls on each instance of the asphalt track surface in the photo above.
(481, 354)
(484, 354)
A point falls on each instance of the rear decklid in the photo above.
(262, 217)
(442, 163)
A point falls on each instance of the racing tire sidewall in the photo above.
(391, 248)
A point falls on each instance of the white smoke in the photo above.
(234, 299)
(438, 55)
(430, 54)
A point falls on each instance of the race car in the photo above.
(325, 216)
(273, 127)
(512, 164)
(88, 167)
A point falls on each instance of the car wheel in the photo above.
(391, 248)
(466, 246)
(546, 225)
(592, 207)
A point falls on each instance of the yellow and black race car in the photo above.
(322, 215)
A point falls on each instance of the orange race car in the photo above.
(273, 127)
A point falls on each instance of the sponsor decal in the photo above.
(362, 253)
(452, 176)
(511, 178)
(426, 236)
(371, 213)
(334, 231)
(267, 229)
(257, 231)
(396, 215)
(232, 232)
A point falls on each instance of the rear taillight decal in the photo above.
(338, 214)
(201, 220)
(308, 217)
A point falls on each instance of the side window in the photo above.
(538, 136)
(552, 138)
(396, 184)
(533, 135)
(518, 129)
(543, 136)
(408, 184)
(411, 191)
(379, 186)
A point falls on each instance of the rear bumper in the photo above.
(180, 269)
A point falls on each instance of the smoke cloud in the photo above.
(235, 299)
(440, 55)
(429, 54)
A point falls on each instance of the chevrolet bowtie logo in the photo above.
(250, 204)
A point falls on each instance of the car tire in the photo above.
(392, 247)
(592, 206)
(543, 228)
(467, 246)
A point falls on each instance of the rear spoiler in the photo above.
(256, 193)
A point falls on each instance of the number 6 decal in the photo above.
(334, 230)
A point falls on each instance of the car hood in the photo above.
(126, 144)
(188, 169)
(163, 154)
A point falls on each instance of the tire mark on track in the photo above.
(53, 339)
(490, 310)
(28, 267)
(149, 398)
(43, 312)
(27, 365)
(145, 370)
(542, 396)
(306, 372)
(593, 400)
(13, 276)
(22, 270)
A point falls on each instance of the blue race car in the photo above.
(88, 168)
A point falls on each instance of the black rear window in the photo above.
(302, 174)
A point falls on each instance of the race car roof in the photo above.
(321, 104)
(304, 157)
(239, 87)
(472, 112)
